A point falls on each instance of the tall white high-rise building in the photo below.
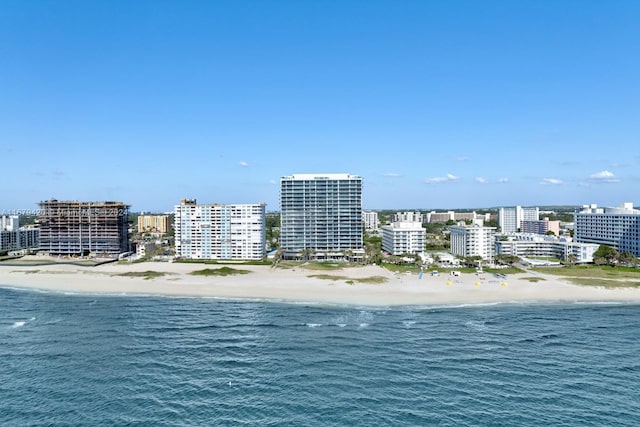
(321, 216)
(218, 231)
(9, 222)
(370, 220)
(473, 240)
(510, 218)
(616, 227)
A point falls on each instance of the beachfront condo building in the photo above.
(473, 240)
(370, 220)
(72, 228)
(404, 237)
(321, 216)
(158, 224)
(528, 245)
(510, 218)
(220, 231)
(16, 238)
(617, 227)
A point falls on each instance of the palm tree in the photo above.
(305, 253)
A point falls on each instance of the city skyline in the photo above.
(448, 105)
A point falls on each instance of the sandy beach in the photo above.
(264, 282)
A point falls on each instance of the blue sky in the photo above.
(446, 104)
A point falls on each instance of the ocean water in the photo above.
(79, 360)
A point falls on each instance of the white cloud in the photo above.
(462, 158)
(392, 175)
(243, 164)
(442, 179)
(503, 180)
(272, 182)
(551, 181)
(481, 180)
(603, 176)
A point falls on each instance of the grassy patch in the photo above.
(533, 279)
(313, 265)
(596, 275)
(544, 258)
(400, 268)
(46, 261)
(370, 280)
(286, 265)
(593, 272)
(223, 271)
(607, 283)
(324, 265)
(223, 262)
(413, 269)
(144, 274)
(329, 277)
(509, 270)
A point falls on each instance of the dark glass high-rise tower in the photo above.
(321, 216)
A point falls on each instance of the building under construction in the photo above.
(75, 228)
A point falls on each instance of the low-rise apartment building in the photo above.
(404, 237)
(526, 245)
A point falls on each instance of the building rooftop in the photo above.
(310, 176)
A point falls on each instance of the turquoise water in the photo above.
(78, 360)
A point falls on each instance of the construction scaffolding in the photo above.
(72, 228)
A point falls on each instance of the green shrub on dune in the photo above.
(223, 271)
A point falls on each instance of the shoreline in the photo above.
(265, 283)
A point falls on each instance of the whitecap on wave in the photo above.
(21, 323)
(360, 317)
(476, 325)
